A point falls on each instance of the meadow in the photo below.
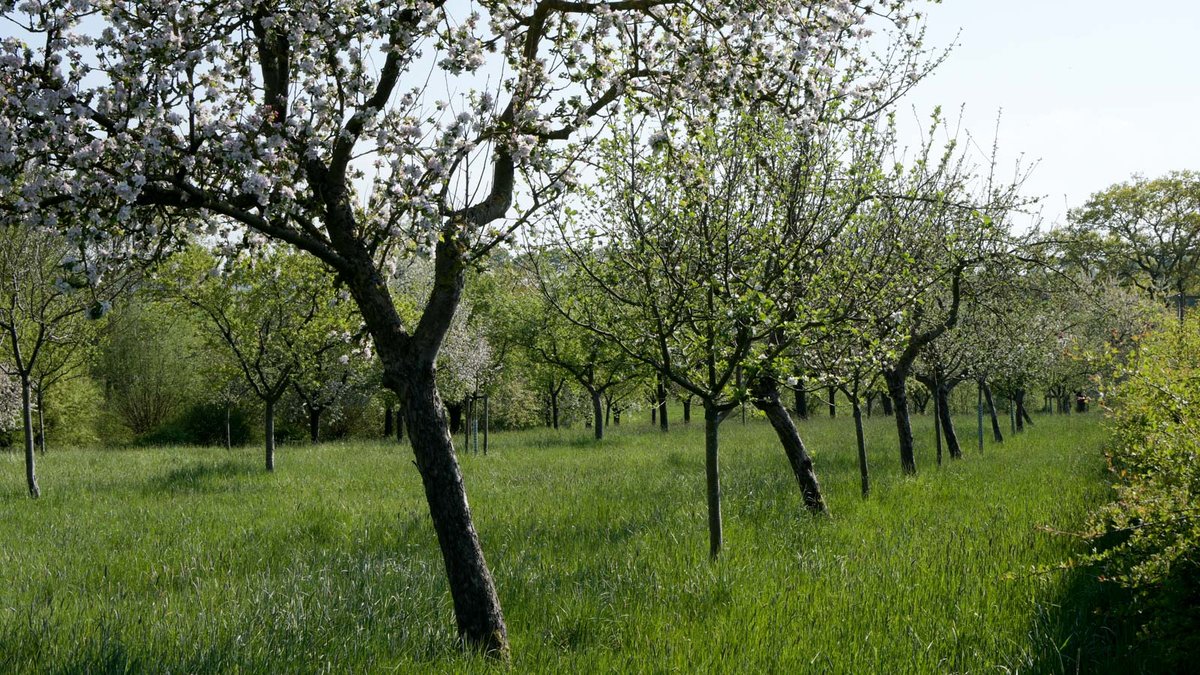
(195, 560)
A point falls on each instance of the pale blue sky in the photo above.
(1094, 89)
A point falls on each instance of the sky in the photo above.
(1092, 90)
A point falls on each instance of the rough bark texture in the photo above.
(991, 408)
(476, 605)
(947, 422)
(27, 420)
(269, 434)
(712, 420)
(862, 449)
(895, 384)
(598, 414)
(767, 399)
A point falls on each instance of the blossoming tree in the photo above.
(319, 125)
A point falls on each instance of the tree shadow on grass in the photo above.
(200, 477)
(1101, 627)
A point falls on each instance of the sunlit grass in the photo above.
(186, 560)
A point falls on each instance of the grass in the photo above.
(194, 560)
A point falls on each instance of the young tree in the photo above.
(262, 113)
(48, 292)
(267, 313)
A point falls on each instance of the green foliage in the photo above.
(1148, 539)
(195, 560)
(203, 424)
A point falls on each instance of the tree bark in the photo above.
(269, 433)
(687, 410)
(895, 384)
(661, 395)
(991, 407)
(554, 407)
(886, 402)
(832, 402)
(314, 425)
(27, 420)
(766, 398)
(947, 422)
(598, 414)
(712, 420)
(937, 426)
(801, 401)
(862, 448)
(1018, 403)
(456, 417)
(476, 605)
(41, 434)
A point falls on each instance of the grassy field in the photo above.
(193, 560)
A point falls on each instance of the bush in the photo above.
(1147, 540)
(202, 424)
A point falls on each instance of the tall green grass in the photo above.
(194, 560)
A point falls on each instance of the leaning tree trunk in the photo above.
(598, 414)
(269, 433)
(862, 447)
(947, 422)
(476, 605)
(895, 384)
(766, 398)
(27, 420)
(712, 420)
(991, 406)
(1019, 405)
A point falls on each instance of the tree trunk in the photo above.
(617, 416)
(456, 417)
(228, 434)
(598, 414)
(661, 394)
(607, 411)
(712, 420)
(1019, 409)
(832, 402)
(387, 422)
(476, 605)
(991, 407)
(766, 398)
(27, 420)
(886, 402)
(400, 423)
(687, 410)
(870, 403)
(947, 422)
(1024, 412)
(554, 408)
(937, 426)
(41, 434)
(862, 447)
(801, 400)
(314, 425)
(269, 434)
(895, 384)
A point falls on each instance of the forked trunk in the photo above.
(712, 420)
(895, 384)
(766, 398)
(27, 420)
(476, 605)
